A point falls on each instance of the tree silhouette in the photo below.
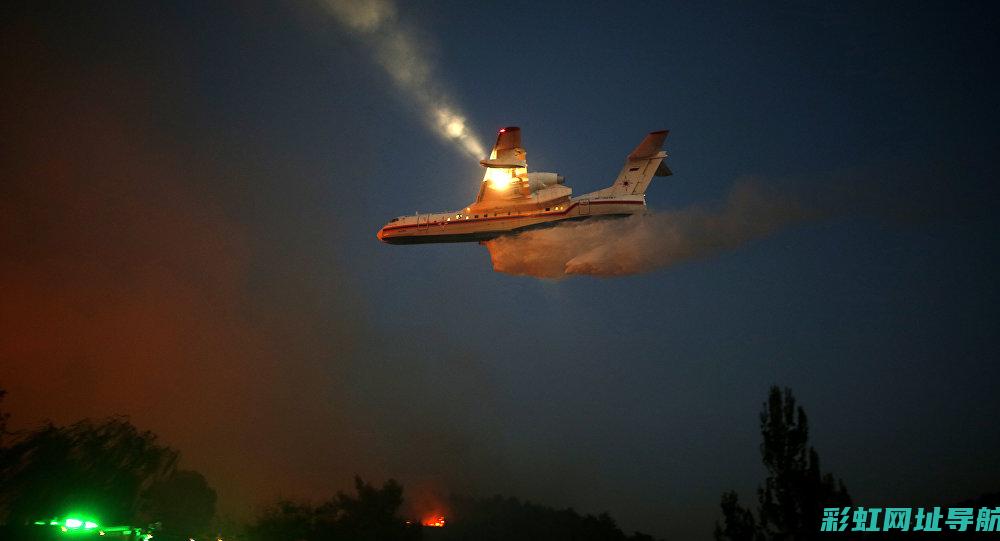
(499, 519)
(183, 503)
(285, 521)
(109, 470)
(372, 508)
(739, 522)
(371, 514)
(101, 468)
(795, 492)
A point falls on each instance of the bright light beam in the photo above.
(402, 57)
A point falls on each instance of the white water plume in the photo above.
(642, 243)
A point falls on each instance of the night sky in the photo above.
(190, 195)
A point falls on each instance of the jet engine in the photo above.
(537, 181)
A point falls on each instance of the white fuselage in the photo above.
(470, 224)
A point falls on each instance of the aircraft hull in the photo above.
(488, 228)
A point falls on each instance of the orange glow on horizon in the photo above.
(434, 521)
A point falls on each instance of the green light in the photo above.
(40, 523)
(73, 523)
(89, 525)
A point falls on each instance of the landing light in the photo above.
(499, 179)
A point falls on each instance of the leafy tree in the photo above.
(285, 521)
(101, 468)
(183, 503)
(739, 522)
(795, 492)
(372, 508)
(371, 514)
(107, 469)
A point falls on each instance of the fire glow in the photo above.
(434, 521)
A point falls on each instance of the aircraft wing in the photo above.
(506, 178)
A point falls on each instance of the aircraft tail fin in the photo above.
(642, 164)
(507, 152)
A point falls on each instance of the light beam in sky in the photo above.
(402, 57)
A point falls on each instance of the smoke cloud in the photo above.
(643, 243)
(402, 56)
(137, 278)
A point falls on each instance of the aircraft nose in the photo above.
(379, 235)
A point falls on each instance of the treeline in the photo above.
(112, 470)
(105, 468)
(499, 518)
(373, 514)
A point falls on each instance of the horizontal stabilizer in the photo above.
(503, 164)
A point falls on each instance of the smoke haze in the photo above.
(403, 57)
(138, 277)
(189, 193)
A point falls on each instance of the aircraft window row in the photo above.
(466, 216)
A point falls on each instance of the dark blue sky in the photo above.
(218, 172)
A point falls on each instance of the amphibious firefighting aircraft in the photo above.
(511, 199)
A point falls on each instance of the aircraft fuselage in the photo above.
(511, 199)
(477, 226)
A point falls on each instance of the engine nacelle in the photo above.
(537, 181)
